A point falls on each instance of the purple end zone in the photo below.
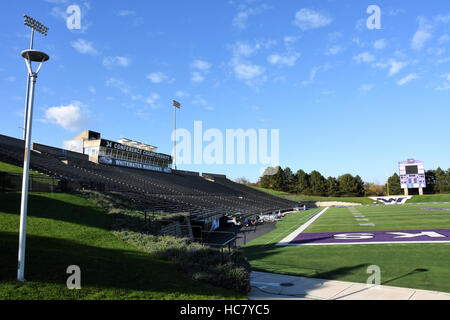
(366, 237)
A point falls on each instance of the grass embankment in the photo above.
(444, 197)
(10, 168)
(64, 230)
(421, 266)
(35, 176)
(300, 197)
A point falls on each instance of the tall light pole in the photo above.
(29, 55)
(176, 105)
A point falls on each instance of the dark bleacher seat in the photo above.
(176, 192)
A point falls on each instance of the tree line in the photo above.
(438, 181)
(313, 183)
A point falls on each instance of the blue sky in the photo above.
(345, 98)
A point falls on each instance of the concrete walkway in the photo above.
(275, 287)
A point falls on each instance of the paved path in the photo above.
(275, 286)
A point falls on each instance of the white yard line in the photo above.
(302, 228)
(287, 232)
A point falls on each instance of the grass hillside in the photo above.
(64, 230)
(6, 167)
(430, 198)
(300, 197)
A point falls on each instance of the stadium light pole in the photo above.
(176, 105)
(29, 55)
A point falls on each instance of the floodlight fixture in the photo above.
(35, 25)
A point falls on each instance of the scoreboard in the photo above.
(412, 174)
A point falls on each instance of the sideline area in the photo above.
(276, 286)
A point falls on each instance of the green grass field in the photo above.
(391, 217)
(421, 266)
(64, 230)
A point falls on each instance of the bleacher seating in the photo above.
(175, 192)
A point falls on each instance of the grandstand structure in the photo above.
(207, 197)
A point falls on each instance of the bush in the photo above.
(199, 261)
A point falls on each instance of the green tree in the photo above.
(317, 183)
(332, 186)
(393, 183)
(266, 180)
(279, 180)
(289, 177)
(302, 182)
(350, 186)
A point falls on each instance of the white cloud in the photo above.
(126, 13)
(366, 87)
(444, 39)
(199, 100)
(158, 77)
(197, 77)
(110, 62)
(307, 19)
(241, 17)
(408, 78)
(313, 73)
(71, 117)
(366, 57)
(248, 71)
(245, 70)
(393, 65)
(119, 84)
(334, 50)
(396, 66)
(422, 35)
(201, 65)
(380, 44)
(446, 85)
(244, 49)
(288, 60)
(84, 47)
(152, 100)
(182, 94)
(288, 40)
(202, 68)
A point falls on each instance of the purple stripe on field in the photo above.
(425, 235)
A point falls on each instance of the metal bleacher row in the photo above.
(175, 192)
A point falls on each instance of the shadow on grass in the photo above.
(61, 209)
(110, 273)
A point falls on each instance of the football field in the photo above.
(381, 224)
(409, 243)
